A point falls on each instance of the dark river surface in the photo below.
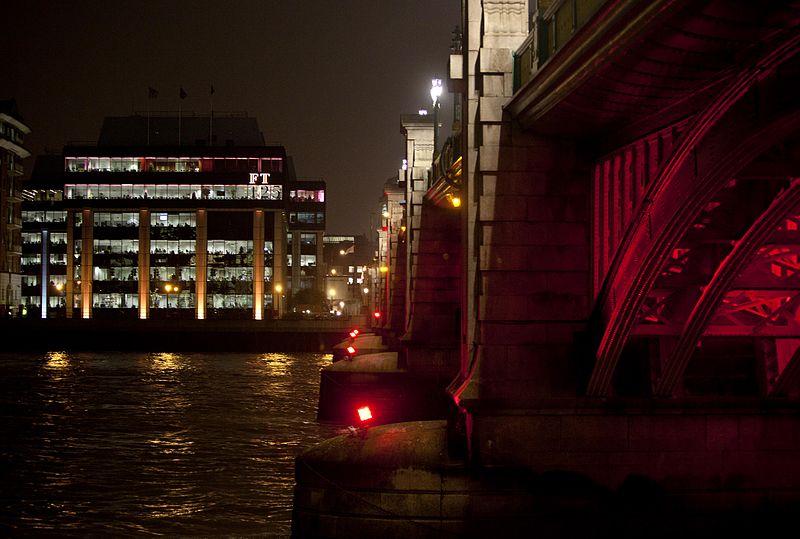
(159, 444)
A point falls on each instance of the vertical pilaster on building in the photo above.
(144, 264)
(279, 262)
(258, 264)
(87, 258)
(295, 261)
(44, 275)
(69, 287)
(320, 244)
(201, 263)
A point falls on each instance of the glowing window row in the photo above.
(173, 191)
(173, 164)
(306, 195)
(183, 300)
(29, 216)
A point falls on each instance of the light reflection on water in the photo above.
(123, 444)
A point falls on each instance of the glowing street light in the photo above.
(436, 93)
(171, 289)
(276, 298)
(455, 200)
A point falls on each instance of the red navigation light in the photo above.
(354, 333)
(351, 350)
(364, 414)
(376, 314)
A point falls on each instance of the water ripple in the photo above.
(122, 444)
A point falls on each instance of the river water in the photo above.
(159, 444)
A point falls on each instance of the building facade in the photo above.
(12, 152)
(126, 229)
(348, 284)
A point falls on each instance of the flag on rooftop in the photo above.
(183, 93)
(152, 93)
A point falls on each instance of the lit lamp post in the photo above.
(276, 299)
(436, 93)
(331, 295)
(171, 289)
(60, 293)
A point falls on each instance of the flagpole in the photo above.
(149, 97)
(211, 118)
(180, 100)
(152, 93)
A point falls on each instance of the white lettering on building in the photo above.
(259, 177)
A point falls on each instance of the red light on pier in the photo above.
(351, 350)
(364, 414)
(354, 333)
(376, 314)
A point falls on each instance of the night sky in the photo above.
(326, 79)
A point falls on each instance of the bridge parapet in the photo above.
(553, 24)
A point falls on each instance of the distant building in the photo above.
(347, 280)
(12, 152)
(140, 226)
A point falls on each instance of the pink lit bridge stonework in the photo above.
(615, 299)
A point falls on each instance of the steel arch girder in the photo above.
(734, 129)
(727, 272)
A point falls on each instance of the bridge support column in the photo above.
(526, 235)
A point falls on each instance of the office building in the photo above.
(145, 224)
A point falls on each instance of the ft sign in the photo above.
(259, 178)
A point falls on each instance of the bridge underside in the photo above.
(690, 124)
(637, 280)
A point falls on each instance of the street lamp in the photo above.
(331, 295)
(436, 93)
(170, 289)
(276, 299)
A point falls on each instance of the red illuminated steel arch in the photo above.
(737, 126)
(727, 272)
(790, 374)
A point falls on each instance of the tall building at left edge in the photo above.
(170, 216)
(12, 153)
